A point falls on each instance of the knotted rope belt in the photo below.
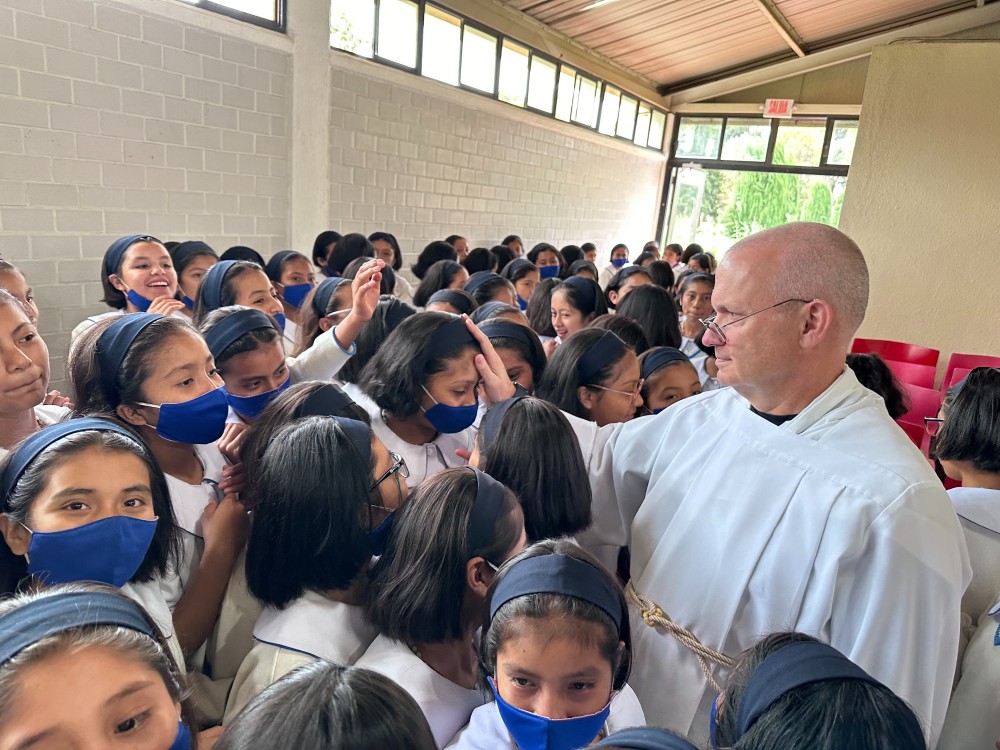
(655, 617)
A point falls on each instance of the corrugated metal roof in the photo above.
(678, 41)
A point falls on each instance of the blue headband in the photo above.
(485, 510)
(38, 619)
(625, 273)
(448, 337)
(210, 290)
(326, 401)
(113, 345)
(226, 332)
(397, 311)
(489, 426)
(791, 667)
(486, 310)
(324, 293)
(587, 288)
(478, 279)
(33, 446)
(661, 356)
(508, 330)
(516, 265)
(608, 348)
(192, 247)
(359, 434)
(116, 251)
(646, 738)
(560, 574)
(273, 267)
(456, 299)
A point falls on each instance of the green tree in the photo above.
(761, 200)
(715, 194)
(819, 204)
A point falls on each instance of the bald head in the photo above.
(811, 261)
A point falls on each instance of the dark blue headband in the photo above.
(559, 574)
(646, 738)
(32, 446)
(224, 333)
(485, 510)
(359, 433)
(326, 401)
(454, 298)
(116, 251)
(397, 311)
(191, 247)
(508, 330)
(113, 346)
(448, 337)
(273, 267)
(49, 615)
(660, 357)
(626, 273)
(492, 419)
(210, 290)
(791, 667)
(487, 310)
(516, 265)
(478, 279)
(608, 348)
(324, 293)
(587, 288)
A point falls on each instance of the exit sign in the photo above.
(778, 107)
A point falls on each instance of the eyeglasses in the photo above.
(716, 329)
(633, 395)
(932, 425)
(398, 466)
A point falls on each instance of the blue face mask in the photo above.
(522, 303)
(138, 301)
(296, 294)
(533, 732)
(183, 739)
(250, 407)
(378, 537)
(107, 551)
(657, 411)
(450, 419)
(619, 262)
(200, 421)
(548, 272)
(188, 302)
(280, 320)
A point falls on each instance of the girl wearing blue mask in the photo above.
(138, 275)
(619, 259)
(426, 593)
(157, 375)
(548, 260)
(84, 666)
(237, 282)
(191, 261)
(327, 491)
(556, 650)
(667, 377)
(291, 274)
(524, 275)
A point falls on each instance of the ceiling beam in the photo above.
(936, 27)
(781, 25)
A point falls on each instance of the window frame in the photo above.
(279, 24)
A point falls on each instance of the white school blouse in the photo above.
(149, 596)
(978, 511)
(446, 706)
(486, 730)
(310, 628)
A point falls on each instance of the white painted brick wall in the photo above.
(115, 119)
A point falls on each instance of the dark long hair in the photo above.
(654, 310)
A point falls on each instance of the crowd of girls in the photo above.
(297, 502)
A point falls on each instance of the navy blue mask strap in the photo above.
(28, 624)
(791, 667)
(324, 293)
(449, 337)
(485, 510)
(113, 346)
(515, 266)
(396, 313)
(587, 288)
(559, 574)
(211, 284)
(659, 357)
(452, 297)
(608, 348)
(359, 434)
(228, 330)
(646, 738)
(29, 449)
(490, 424)
(478, 279)
(326, 401)
(116, 251)
(273, 267)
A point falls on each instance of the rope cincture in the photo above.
(654, 616)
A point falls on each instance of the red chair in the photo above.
(924, 402)
(956, 376)
(969, 362)
(907, 372)
(914, 432)
(897, 351)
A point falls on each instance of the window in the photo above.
(542, 84)
(626, 117)
(656, 127)
(609, 110)
(513, 73)
(442, 45)
(352, 26)
(267, 13)
(586, 101)
(397, 32)
(479, 59)
(746, 140)
(698, 137)
(800, 142)
(564, 93)
(844, 136)
(642, 126)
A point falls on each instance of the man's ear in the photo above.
(17, 537)
(817, 323)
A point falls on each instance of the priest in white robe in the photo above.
(790, 501)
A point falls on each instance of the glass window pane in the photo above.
(442, 45)
(746, 140)
(800, 142)
(564, 98)
(585, 101)
(479, 59)
(656, 127)
(397, 31)
(260, 8)
(642, 126)
(513, 73)
(699, 137)
(541, 84)
(609, 110)
(352, 26)
(845, 135)
(626, 117)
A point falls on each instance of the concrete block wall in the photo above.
(115, 120)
